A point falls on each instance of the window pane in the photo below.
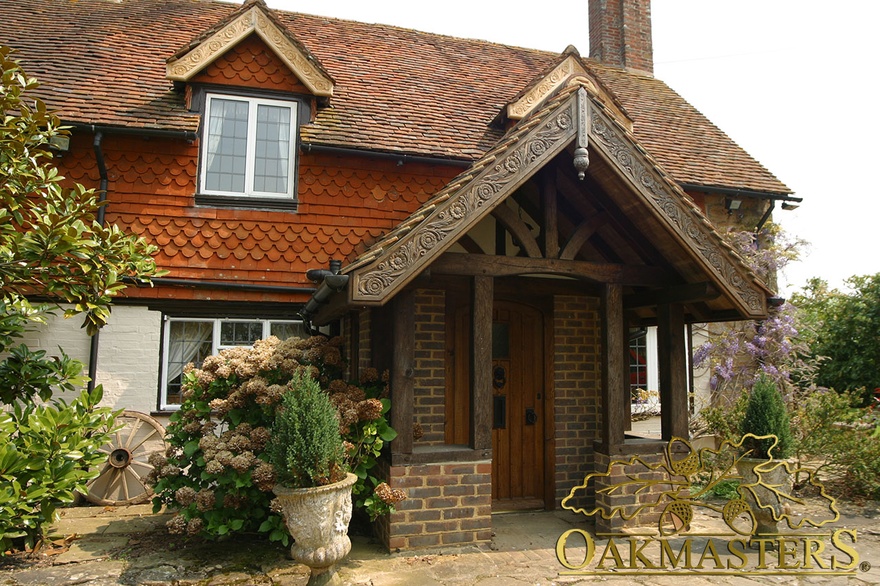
(638, 365)
(188, 341)
(240, 333)
(272, 149)
(285, 330)
(226, 149)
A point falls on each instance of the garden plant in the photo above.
(217, 473)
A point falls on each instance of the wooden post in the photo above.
(551, 230)
(402, 370)
(481, 363)
(615, 368)
(671, 355)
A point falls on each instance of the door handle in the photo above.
(531, 417)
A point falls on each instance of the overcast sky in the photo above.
(786, 79)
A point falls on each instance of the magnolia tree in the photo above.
(52, 249)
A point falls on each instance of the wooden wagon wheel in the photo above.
(121, 481)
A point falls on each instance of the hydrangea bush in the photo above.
(216, 472)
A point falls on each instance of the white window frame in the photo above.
(253, 103)
(164, 405)
(651, 367)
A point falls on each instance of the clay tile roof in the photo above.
(396, 90)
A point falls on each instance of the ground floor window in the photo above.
(643, 373)
(191, 340)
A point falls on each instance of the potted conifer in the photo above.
(767, 442)
(313, 487)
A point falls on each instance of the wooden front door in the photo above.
(517, 407)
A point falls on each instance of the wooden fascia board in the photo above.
(253, 20)
(376, 282)
(666, 202)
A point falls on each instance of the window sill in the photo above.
(253, 203)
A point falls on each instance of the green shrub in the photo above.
(842, 439)
(306, 448)
(766, 414)
(216, 472)
(49, 452)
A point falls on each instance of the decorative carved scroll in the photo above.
(697, 233)
(548, 85)
(466, 206)
(253, 20)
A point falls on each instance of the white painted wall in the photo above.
(128, 358)
(128, 353)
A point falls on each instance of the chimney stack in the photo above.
(620, 34)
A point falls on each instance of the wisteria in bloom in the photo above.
(737, 356)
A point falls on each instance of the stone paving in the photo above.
(127, 545)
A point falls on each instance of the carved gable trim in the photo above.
(253, 20)
(570, 71)
(461, 206)
(683, 219)
(408, 249)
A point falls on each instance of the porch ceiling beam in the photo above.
(689, 293)
(509, 266)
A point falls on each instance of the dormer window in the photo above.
(248, 147)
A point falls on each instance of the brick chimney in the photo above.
(620, 34)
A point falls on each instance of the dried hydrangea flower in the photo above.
(177, 525)
(195, 526)
(388, 495)
(205, 500)
(185, 496)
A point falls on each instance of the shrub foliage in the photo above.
(217, 472)
(766, 414)
(306, 448)
(52, 247)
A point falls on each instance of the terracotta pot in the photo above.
(775, 474)
(317, 519)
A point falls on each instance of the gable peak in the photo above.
(254, 17)
(570, 69)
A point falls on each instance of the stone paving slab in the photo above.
(522, 552)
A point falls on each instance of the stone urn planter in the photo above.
(317, 519)
(754, 489)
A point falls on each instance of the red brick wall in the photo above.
(634, 496)
(577, 380)
(447, 504)
(620, 33)
(365, 356)
(429, 392)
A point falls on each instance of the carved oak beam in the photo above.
(583, 233)
(518, 229)
(509, 266)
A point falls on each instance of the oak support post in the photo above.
(615, 389)
(481, 363)
(672, 359)
(551, 230)
(402, 372)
